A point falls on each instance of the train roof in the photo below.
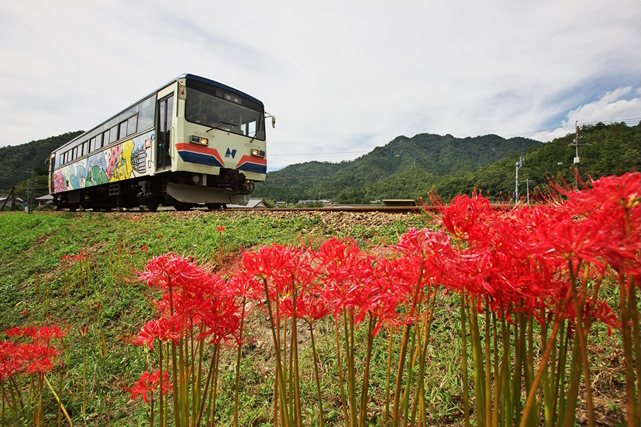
(185, 76)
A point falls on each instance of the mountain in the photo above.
(404, 168)
(411, 167)
(603, 150)
(18, 160)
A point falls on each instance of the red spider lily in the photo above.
(40, 357)
(268, 261)
(422, 242)
(163, 329)
(171, 271)
(11, 361)
(144, 248)
(149, 382)
(468, 217)
(38, 334)
(308, 307)
(245, 284)
(220, 229)
(29, 358)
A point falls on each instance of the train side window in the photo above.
(123, 130)
(84, 148)
(147, 112)
(113, 134)
(131, 125)
(92, 144)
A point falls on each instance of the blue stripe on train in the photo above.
(204, 159)
(253, 167)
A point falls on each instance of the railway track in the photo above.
(346, 209)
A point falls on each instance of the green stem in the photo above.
(401, 361)
(279, 370)
(340, 374)
(370, 339)
(160, 397)
(238, 354)
(466, 396)
(297, 406)
(317, 376)
(542, 366)
(389, 372)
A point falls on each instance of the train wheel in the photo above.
(181, 206)
(152, 206)
(214, 206)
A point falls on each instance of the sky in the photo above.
(341, 77)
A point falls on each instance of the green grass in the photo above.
(38, 287)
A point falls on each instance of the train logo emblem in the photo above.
(230, 153)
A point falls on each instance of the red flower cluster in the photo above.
(518, 260)
(191, 299)
(35, 356)
(522, 258)
(149, 382)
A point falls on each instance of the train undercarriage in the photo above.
(182, 190)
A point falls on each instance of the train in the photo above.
(192, 142)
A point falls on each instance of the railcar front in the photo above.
(194, 141)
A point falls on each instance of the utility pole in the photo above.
(516, 189)
(577, 159)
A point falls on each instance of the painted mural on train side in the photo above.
(116, 163)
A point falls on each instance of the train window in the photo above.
(123, 129)
(131, 125)
(98, 141)
(146, 114)
(250, 129)
(92, 144)
(83, 151)
(105, 138)
(113, 134)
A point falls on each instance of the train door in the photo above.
(163, 137)
(52, 164)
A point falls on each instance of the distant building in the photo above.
(44, 200)
(252, 204)
(13, 199)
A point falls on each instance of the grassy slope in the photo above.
(35, 279)
(38, 287)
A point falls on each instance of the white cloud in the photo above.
(611, 107)
(341, 77)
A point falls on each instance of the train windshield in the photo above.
(220, 109)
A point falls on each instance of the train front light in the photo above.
(199, 140)
(258, 153)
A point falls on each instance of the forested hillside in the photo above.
(603, 150)
(404, 168)
(19, 160)
(411, 167)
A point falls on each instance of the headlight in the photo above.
(199, 140)
(258, 153)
